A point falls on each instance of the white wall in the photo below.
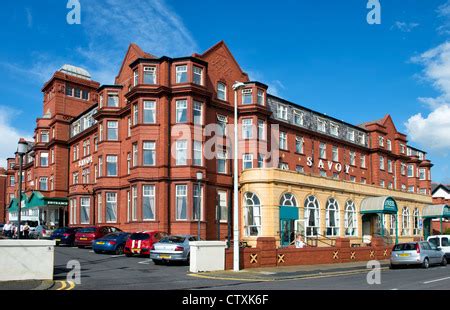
(26, 260)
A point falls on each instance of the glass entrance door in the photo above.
(287, 232)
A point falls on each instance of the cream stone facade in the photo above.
(269, 185)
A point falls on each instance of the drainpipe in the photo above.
(169, 148)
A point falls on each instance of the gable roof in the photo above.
(435, 187)
(133, 47)
(222, 44)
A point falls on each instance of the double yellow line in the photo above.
(66, 285)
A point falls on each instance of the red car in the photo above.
(141, 242)
(85, 235)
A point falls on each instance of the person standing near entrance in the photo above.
(299, 244)
(7, 229)
(26, 230)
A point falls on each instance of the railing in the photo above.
(313, 241)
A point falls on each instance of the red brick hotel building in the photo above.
(129, 154)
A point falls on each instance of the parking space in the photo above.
(107, 271)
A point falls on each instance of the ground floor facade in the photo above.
(283, 204)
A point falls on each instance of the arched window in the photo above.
(332, 218)
(288, 200)
(393, 225)
(405, 221)
(416, 216)
(351, 220)
(312, 216)
(252, 215)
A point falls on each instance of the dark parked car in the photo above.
(113, 242)
(85, 235)
(65, 235)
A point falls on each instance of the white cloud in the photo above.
(110, 26)
(405, 27)
(113, 25)
(9, 135)
(432, 131)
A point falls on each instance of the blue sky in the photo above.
(320, 54)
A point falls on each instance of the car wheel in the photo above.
(81, 247)
(157, 262)
(444, 262)
(119, 250)
(426, 263)
(392, 266)
(97, 251)
(188, 260)
(128, 255)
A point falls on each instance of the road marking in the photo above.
(115, 256)
(63, 285)
(437, 280)
(394, 289)
(66, 285)
(145, 262)
(91, 251)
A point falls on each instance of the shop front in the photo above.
(373, 211)
(434, 212)
(52, 211)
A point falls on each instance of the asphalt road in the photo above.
(109, 272)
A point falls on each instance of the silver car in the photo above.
(417, 253)
(172, 248)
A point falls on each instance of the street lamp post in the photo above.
(199, 176)
(21, 151)
(236, 87)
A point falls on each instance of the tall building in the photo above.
(129, 154)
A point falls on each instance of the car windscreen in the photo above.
(405, 247)
(173, 239)
(434, 241)
(139, 236)
(87, 230)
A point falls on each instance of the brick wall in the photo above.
(267, 255)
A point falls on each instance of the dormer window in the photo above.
(150, 75)
(334, 129)
(113, 100)
(198, 76)
(260, 97)
(181, 72)
(221, 91)
(100, 101)
(321, 125)
(389, 145)
(298, 118)
(362, 138)
(351, 135)
(282, 112)
(247, 96)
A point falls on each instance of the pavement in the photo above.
(27, 285)
(291, 272)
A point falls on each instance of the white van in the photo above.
(442, 241)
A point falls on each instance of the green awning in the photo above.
(13, 205)
(37, 200)
(384, 205)
(436, 211)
